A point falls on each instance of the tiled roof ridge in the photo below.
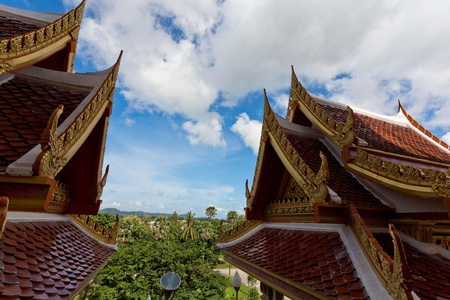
(417, 126)
(395, 272)
(38, 39)
(343, 135)
(315, 184)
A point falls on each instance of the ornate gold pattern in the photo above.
(341, 135)
(50, 143)
(90, 225)
(33, 41)
(102, 184)
(313, 185)
(60, 198)
(395, 272)
(52, 160)
(435, 179)
(238, 231)
(427, 231)
(4, 201)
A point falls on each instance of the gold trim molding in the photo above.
(60, 198)
(342, 135)
(101, 185)
(238, 231)
(4, 202)
(395, 272)
(21, 45)
(53, 158)
(103, 234)
(419, 181)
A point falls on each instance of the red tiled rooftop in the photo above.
(431, 272)
(390, 137)
(25, 107)
(341, 181)
(10, 27)
(47, 259)
(316, 260)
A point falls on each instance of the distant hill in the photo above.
(139, 213)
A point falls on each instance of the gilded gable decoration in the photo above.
(395, 272)
(342, 135)
(52, 159)
(13, 50)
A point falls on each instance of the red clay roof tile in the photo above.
(311, 269)
(42, 272)
(26, 107)
(390, 137)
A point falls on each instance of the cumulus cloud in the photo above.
(248, 130)
(115, 204)
(160, 206)
(138, 204)
(179, 57)
(446, 138)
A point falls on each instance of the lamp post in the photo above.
(236, 282)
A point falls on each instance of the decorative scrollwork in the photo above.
(90, 225)
(60, 198)
(238, 231)
(313, 185)
(102, 184)
(341, 134)
(433, 178)
(52, 160)
(395, 272)
(4, 202)
(36, 40)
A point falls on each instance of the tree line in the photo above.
(148, 248)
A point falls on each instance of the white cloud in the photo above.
(160, 206)
(446, 138)
(129, 122)
(138, 204)
(209, 133)
(248, 130)
(230, 199)
(115, 204)
(235, 47)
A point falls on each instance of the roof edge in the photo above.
(421, 129)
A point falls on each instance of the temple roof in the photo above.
(49, 257)
(430, 272)
(26, 105)
(10, 27)
(341, 181)
(389, 134)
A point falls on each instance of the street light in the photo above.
(236, 282)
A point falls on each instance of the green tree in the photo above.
(189, 232)
(211, 212)
(174, 217)
(232, 217)
(106, 220)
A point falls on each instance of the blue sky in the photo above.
(188, 105)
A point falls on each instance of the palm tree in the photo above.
(211, 212)
(205, 234)
(232, 217)
(189, 232)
